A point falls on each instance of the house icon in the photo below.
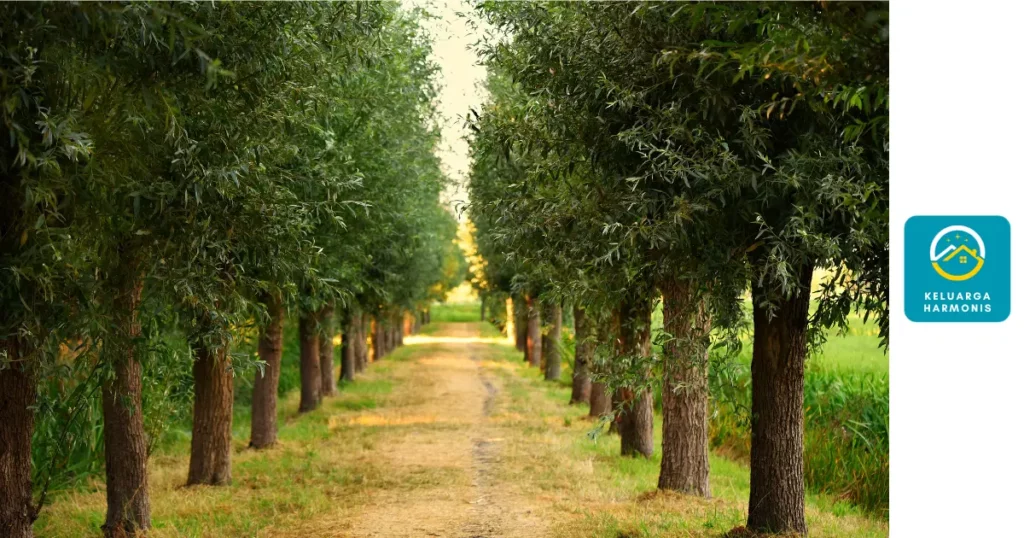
(957, 240)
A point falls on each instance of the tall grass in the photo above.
(846, 428)
(846, 411)
(67, 444)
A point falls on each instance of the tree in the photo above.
(195, 166)
(584, 356)
(552, 341)
(39, 291)
(715, 179)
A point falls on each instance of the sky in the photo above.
(461, 87)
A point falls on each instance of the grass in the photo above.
(320, 464)
(455, 312)
(846, 416)
(846, 395)
(394, 451)
(613, 496)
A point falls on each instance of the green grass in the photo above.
(330, 465)
(846, 395)
(455, 312)
(302, 477)
(628, 479)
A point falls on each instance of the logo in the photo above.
(957, 268)
(958, 248)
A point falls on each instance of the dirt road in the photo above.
(456, 401)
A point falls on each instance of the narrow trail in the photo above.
(457, 398)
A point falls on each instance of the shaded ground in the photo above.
(450, 436)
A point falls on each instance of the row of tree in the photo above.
(203, 169)
(699, 154)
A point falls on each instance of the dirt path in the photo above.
(456, 398)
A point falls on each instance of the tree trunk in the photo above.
(600, 400)
(551, 342)
(327, 387)
(600, 395)
(636, 421)
(533, 343)
(428, 315)
(349, 345)
(520, 314)
(510, 326)
(777, 438)
(615, 401)
(483, 309)
(364, 347)
(210, 460)
(309, 362)
(264, 389)
(17, 396)
(584, 356)
(123, 435)
(378, 340)
(684, 463)
(396, 331)
(392, 341)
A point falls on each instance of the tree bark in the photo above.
(483, 309)
(551, 342)
(364, 347)
(396, 331)
(378, 340)
(389, 335)
(636, 420)
(581, 385)
(519, 308)
(17, 396)
(533, 342)
(326, 317)
(777, 384)
(128, 510)
(349, 345)
(600, 395)
(636, 423)
(210, 459)
(685, 466)
(309, 362)
(600, 400)
(264, 389)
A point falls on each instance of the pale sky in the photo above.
(461, 86)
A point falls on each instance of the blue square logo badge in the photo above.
(957, 269)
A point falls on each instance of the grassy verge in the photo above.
(605, 495)
(846, 395)
(321, 466)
